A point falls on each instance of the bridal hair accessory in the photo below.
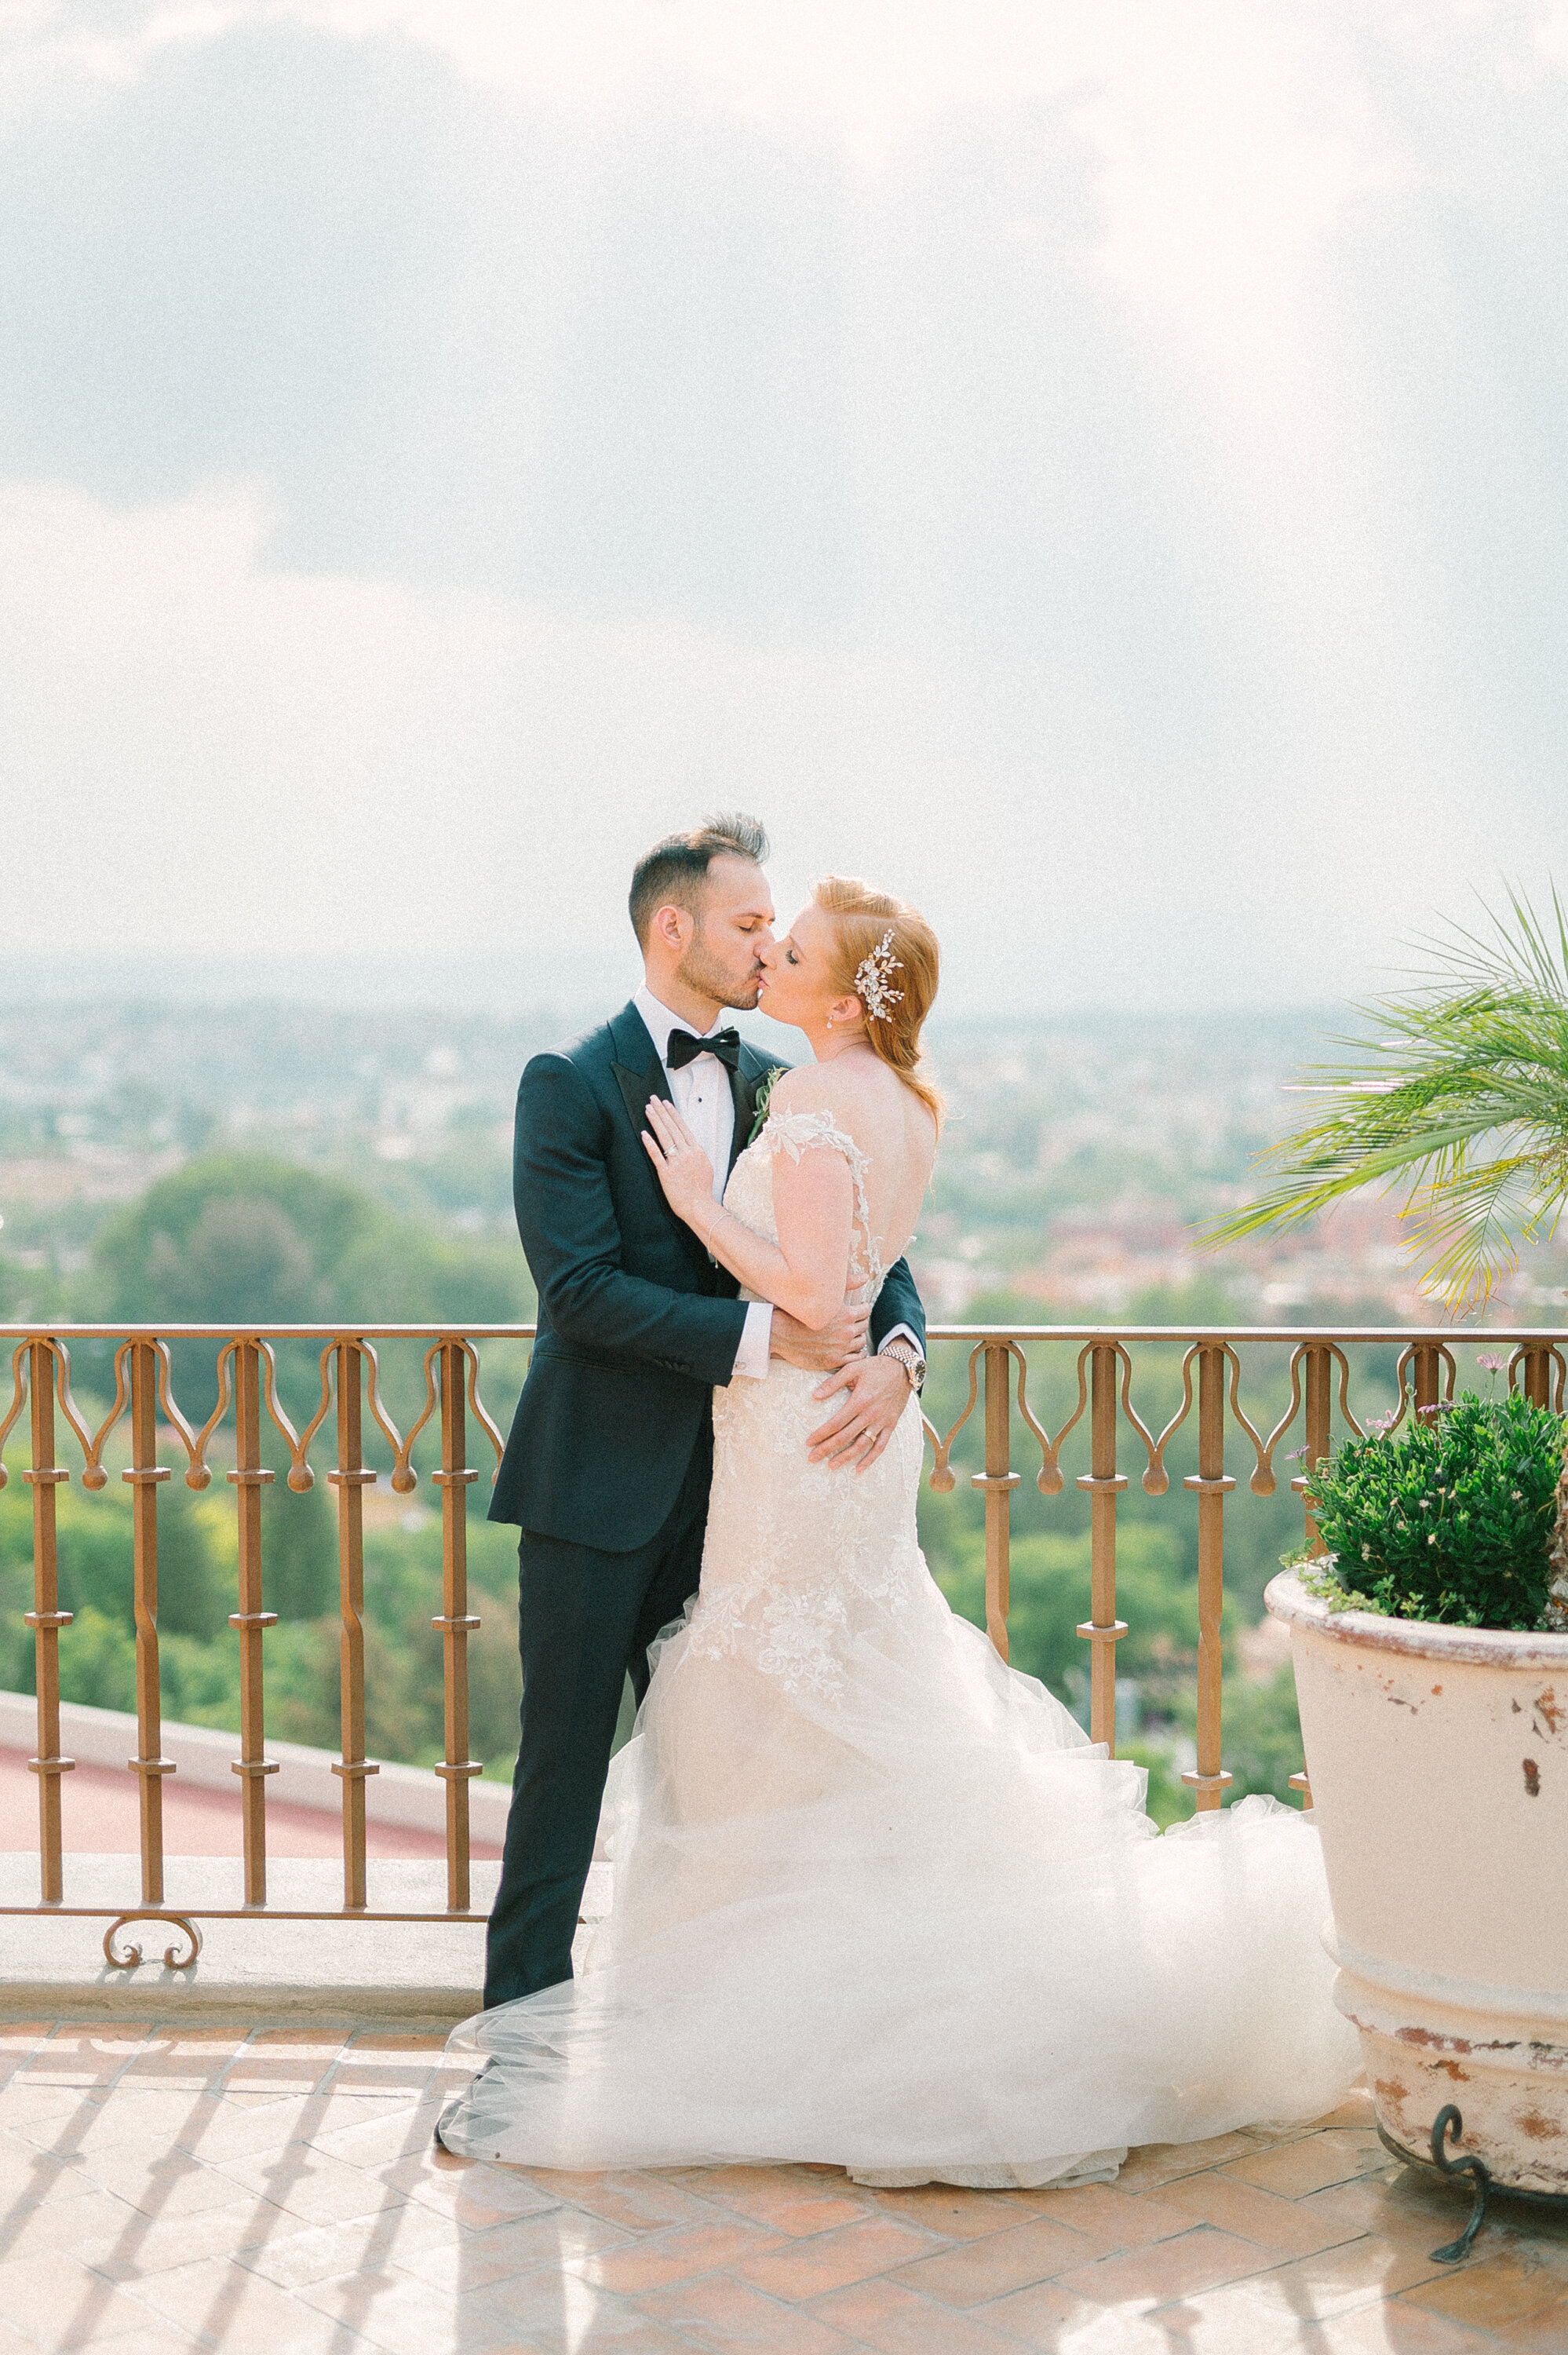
(870, 979)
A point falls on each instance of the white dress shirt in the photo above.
(701, 1095)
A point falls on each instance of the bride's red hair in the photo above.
(862, 919)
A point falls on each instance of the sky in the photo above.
(1097, 470)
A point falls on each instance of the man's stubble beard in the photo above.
(702, 973)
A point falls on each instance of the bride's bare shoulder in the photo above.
(823, 1087)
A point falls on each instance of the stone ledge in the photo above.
(427, 1971)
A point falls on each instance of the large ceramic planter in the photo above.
(1438, 1760)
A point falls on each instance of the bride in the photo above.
(876, 1901)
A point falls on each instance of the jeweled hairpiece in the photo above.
(871, 975)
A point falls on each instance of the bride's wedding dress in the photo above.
(876, 1901)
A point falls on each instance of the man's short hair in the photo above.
(674, 871)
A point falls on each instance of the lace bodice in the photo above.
(750, 1194)
(800, 1557)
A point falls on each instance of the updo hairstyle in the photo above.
(862, 919)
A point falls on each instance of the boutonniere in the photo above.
(763, 1097)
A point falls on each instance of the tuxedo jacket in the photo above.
(637, 1325)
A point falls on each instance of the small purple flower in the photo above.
(1491, 1365)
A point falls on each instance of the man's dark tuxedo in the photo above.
(607, 1465)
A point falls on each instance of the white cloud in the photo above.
(205, 755)
(1248, 797)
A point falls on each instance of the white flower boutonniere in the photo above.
(763, 1097)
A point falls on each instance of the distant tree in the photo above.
(248, 1240)
(195, 1586)
(236, 1238)
(299, 1552)
(99, 1665)
(1049, 1598)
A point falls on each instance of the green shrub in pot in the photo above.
(1449, 1519)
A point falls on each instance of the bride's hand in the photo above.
(684, 1169)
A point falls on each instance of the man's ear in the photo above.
(673, 926)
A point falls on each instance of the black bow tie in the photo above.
(684, 1049)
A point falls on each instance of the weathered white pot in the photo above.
(1438, 1760)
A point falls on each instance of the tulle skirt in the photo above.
(877, 1903)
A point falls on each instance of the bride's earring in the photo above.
(829, 1021)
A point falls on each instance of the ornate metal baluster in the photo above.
(1537, 1371)
(456, 1622)
(1210, 1778)
(144, 1475)
(1318, 1385)
(46, 1619)
(1102, 1629)
(351, 1478)
(252, 1765)
(997, 1484)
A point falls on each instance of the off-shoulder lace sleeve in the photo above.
(795, 1133)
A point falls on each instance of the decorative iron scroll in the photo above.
(404, 1476)
(943, 1477)
(477, 1406)
(1402, 1375)
(139, 1363)
(1553, 1355)
(95, 1476)
(197, 1474)
(19, 1400)
(482, 1411)
(173, 1958)
(1048, 1479)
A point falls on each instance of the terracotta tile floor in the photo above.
(164, 2187)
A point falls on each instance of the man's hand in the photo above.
(878, 1393)
(832, 1346)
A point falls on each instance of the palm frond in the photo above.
(1463, 1102)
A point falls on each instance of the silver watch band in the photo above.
(909, 1357)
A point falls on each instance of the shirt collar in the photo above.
(659, 1022)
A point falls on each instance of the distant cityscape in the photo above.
(1082, 1156)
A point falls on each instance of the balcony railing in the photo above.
(1417, 1368)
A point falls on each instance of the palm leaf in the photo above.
(1462, 1104)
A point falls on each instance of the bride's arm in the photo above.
(806, 1271)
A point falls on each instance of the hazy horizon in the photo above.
(503, 989)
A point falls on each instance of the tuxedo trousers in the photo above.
(585, 1620)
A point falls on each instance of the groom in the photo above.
(608, 1464)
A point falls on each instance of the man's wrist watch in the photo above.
(909, 1357)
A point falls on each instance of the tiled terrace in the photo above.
(171, 2188)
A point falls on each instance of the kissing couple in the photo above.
(876, 1901)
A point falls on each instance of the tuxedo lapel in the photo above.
(743, 1087)
(636, 1087)
(639, 1073)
